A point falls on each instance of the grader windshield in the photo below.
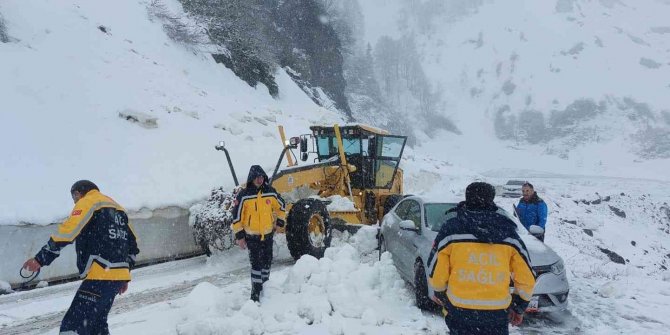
(327, 146)
(375, 154)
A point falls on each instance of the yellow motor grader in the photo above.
(353, 180)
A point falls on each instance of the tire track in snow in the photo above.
(126, 303)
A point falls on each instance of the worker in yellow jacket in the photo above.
(474, 256)
(257, 207)
(106, 247)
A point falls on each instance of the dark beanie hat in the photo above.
(479, 195)
(83, 186)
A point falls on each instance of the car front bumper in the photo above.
(550, 302)
(550, 293)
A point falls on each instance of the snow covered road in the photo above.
(40, 310)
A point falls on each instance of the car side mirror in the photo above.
(408, 225)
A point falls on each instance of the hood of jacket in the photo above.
(486, 224)
(255, 171)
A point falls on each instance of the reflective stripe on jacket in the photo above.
(106, 244)
(257, 207)
(473, 258)
(254, 212)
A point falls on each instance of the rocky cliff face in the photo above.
(261, 35)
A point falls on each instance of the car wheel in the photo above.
(421, 289)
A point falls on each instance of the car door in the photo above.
(391, 230)
(407, 237)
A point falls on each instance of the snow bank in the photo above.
(345, 292)
(340, 203)
(366, 241)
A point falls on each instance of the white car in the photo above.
(409, 229)
(511, 189)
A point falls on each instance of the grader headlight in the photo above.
(293, 142)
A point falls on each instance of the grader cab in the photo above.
(352, 180)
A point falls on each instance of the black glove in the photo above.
(518, 305)
(442, 298)
(131, 261)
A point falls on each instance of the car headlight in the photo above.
(558, 268)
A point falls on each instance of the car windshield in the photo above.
(515, 182)
(435, 215)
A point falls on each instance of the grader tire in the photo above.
(308, 230)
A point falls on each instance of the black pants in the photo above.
(260, 256)
(90, 306)
(474, 322)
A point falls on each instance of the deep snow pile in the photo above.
(345, 292)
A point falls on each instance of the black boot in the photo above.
(255, 295)
(256, 289)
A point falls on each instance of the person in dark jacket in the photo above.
(257, 207)
(532, 211)
(106, 247)
(474, 256)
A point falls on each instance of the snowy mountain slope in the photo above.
(98, 91)
(585, 81)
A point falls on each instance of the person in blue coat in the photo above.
(532, 211)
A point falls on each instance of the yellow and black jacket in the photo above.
(473, 258)
(257, 207)
(106, 244)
